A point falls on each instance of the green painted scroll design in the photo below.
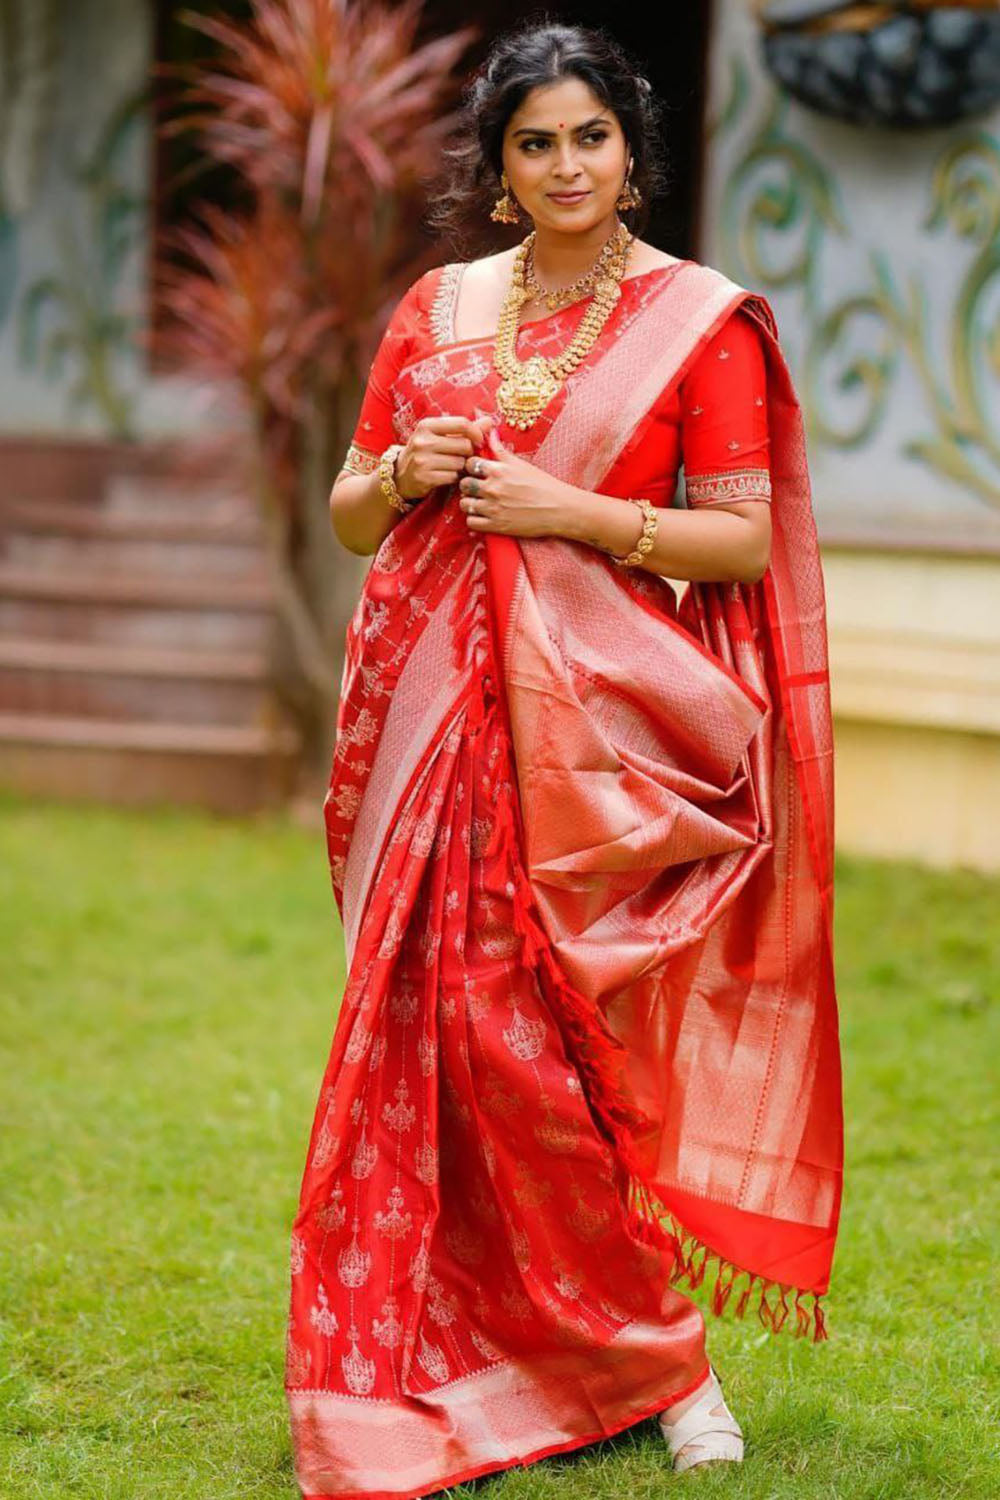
(773, 229)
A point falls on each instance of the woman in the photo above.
(580, 837)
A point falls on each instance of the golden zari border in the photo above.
(442, 313)
(505, 1414)
(360, 460)
(728, 484)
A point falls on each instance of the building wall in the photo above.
(76, 172)
(877, 249)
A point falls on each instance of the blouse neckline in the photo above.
(448, 322)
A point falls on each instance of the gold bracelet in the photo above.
(387, 478)
(645, 542)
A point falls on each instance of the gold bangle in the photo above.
(645, 542)
(387, 478)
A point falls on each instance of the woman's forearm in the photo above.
(709, 546)
(361, 515)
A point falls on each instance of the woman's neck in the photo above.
(560, 258)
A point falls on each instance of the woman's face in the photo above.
(562, 139)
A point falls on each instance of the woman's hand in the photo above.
(436, 453)
(506, 493)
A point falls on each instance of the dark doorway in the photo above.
(182, 176)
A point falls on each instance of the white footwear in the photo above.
(709, 1426)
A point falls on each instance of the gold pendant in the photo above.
(523, 396)
(608, 290)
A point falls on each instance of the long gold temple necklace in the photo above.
(529, 385)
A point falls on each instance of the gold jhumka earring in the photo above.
(505, 209)
(629, 197)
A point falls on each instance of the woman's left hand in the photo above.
(508, 494)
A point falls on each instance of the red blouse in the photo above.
(713, 422)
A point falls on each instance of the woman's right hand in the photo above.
(435, 454)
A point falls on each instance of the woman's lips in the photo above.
(567, 197)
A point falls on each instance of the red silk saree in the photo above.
(581, 842)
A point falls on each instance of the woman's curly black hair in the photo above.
(538, 52)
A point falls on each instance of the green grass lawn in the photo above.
(170, 983)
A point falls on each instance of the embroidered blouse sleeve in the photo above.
(724, 433)
(374, 430)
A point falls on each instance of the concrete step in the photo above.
(89, 585)
(181, 626)
(113, 555)
(130, 497)
(137, 627)
(85, 678)
(209, 522)
(233, 769)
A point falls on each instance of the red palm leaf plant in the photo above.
(332, 118)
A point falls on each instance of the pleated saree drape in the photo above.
(581, 840)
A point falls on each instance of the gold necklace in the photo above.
(560, 296)
(529, 385)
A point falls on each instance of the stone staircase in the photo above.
(136, 626)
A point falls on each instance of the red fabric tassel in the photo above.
(722, 1289)
(801, 1316)
(741, 1306)
(778, 1321)
(698, 1276)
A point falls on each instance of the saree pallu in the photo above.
(580, 840)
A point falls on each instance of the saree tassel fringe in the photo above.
(692, 1256)
(601, 1057)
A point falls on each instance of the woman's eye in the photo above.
(592, 135)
